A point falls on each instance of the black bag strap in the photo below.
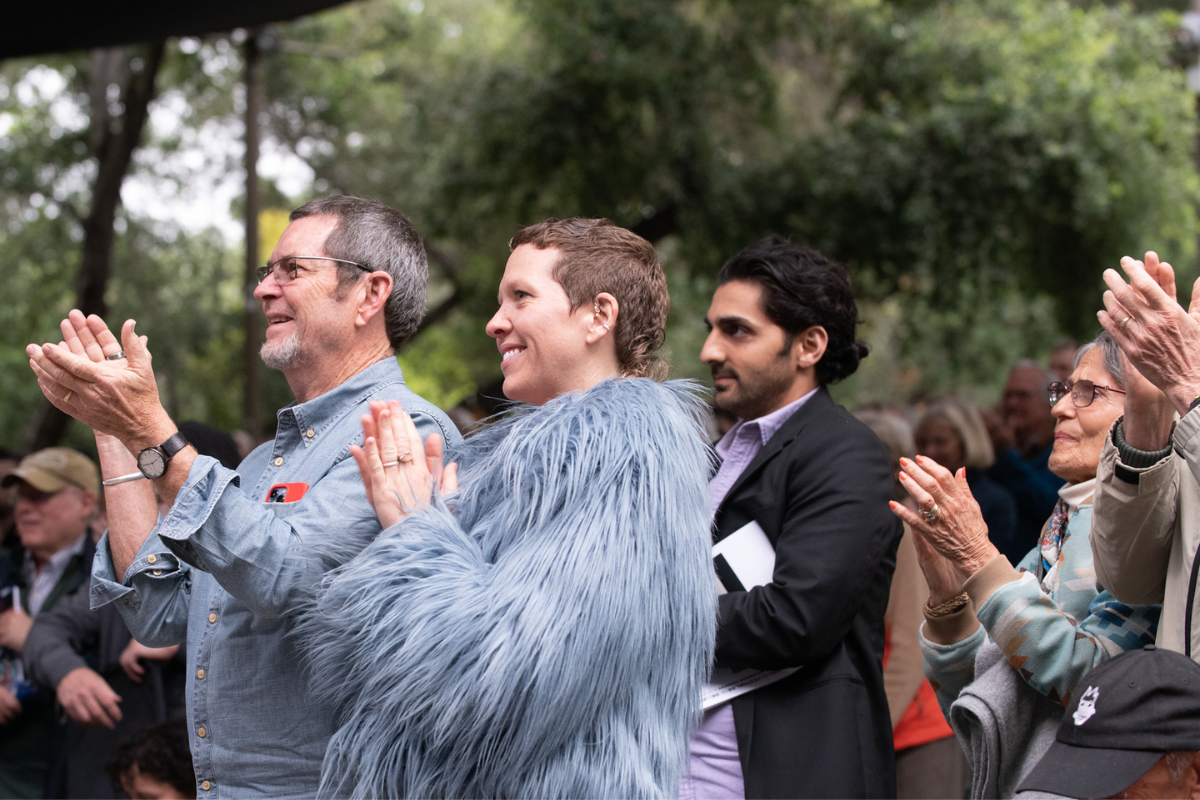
(1191, 604)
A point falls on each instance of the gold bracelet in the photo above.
(948, 607)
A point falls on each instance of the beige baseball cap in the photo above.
(56, 468)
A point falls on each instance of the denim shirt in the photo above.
(223, 569)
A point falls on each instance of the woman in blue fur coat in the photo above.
(545, 631)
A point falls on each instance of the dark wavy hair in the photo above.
(802, 288)
(161, 752)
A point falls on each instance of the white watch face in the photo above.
(152, 463)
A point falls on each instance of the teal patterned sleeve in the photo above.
(1053, 638)
(950, 667)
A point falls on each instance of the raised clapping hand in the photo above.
(1160, 339)
(397, 480)
(950, 535)
(116, 397)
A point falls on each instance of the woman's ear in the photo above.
(605, 309)
(809, 346)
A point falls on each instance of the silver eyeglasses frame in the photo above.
(262, 272)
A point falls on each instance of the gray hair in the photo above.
(1111, 354)
(381, 238)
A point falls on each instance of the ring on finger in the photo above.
(405, 457)
(1125, 322)
(931, 513)
(117, 356)
(67, 397)
(391, 463)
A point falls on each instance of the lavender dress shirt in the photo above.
(714, 770)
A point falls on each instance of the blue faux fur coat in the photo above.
(547, 637)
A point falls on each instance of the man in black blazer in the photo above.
(817, 482)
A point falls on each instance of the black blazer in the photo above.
(820, 489)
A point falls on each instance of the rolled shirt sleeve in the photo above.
(226, 567)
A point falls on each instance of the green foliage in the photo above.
(976, 164)
(184, 289)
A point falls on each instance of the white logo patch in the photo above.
(1087, 706)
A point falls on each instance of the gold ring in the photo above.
(932, 513)
(1125, 322)
(405, 457)
(67, 397)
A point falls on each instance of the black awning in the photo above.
(32, 27)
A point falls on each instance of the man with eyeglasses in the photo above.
(233, 562)
(56, 492)
(1147, 530)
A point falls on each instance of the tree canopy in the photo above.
(975, 164)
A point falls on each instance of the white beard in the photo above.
(282, 355)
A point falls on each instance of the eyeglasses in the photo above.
(36, 496)
(286, 269)
(1082, 392)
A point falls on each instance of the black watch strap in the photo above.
(174, 444)
(152, 461)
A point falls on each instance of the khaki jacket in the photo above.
(1145, 532)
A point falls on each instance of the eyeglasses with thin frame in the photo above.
(36, 496)
(1082, 392)
(286, 269)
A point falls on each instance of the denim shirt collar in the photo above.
(315, 416)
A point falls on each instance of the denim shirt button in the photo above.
(212, 617)
(310, 433)
(201, 732)
(279, 461)
(205, 785)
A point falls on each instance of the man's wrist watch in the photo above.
(152, 462)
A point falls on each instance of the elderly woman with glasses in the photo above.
(1047, 620)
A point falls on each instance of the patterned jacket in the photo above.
(1052, 632)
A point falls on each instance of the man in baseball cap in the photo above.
(56, 468)
(56, 498)
(1132, 730)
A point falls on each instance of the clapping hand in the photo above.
(950, 522)
(107, 385)
(397, 479)
(1159, 337)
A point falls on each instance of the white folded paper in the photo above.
(742, 560)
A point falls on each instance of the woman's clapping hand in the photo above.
(397, 478)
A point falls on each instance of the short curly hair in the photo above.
(161, 753)
(802, 288)
(598, 256)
